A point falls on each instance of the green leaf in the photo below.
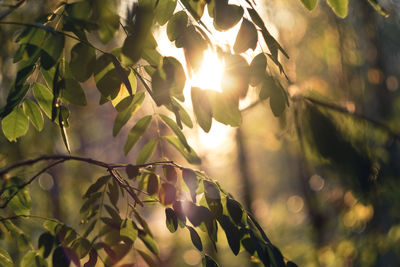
(83, 60)
(310, 4)
(149, 260)
(164, 11)
(191, 156)
(82, 247)
(33, 112)
(202, 108)
(44, 98)
(106, 77)
(235, 210)
(136, 132)
(97, 185)
(146, 152)
(152, 184)
(177, 25)
(224, 108)
(104, 14)
(123, 116)
(180, 112)
(340, 7)
(128, 230)
(149, 242)
(167, 194)
(378, 8)
(122, 73)
(171, 220)
(29, 259)
(46, 240)
(191, 181)
(15, 124)
(175, 128)
(196, 240)
(257, 69)
(207, 261)
(195, 7)
(5, 259)
(74, 93)
(246, 38)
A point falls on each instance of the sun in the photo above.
(210, 74)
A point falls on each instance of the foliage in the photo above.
(56, 54)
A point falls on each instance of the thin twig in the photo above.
(12, 9)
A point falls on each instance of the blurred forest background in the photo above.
(303, 203)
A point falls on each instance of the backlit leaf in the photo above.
(175, 128)
(74, 93)
(15, 124)
(34, 114)
(5, 259)
(136, 132)
(226, 16)
(44, 98)
(152, 184)
(191, 156)
(310, 4)
(339, 7)
(164, 11)
(167, 194)
(170, 173)
(123, 116)
(247, 37)
(146, 152)
(202, 108)
(177, 25)
(128, 230)
(257, 69)
(191, 182)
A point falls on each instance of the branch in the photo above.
(359, 116)
(12, 9)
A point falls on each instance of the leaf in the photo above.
(179, 213)
(164, 10)
(225, 109)
(191, 181)
(97, 185)
(83, 59)
(152, 184)
(191, 156)
(21, 203)
(52, 47)
(60, 258)
(167, 194)
(202, 108)
(194, 236)
(232, 234)
(128, 230)
(92, 259)
(82, 247)
(46, 240)
(5, 259)
(195, 7)
(226, 16)
(105, 16)
(291, 264)
(177, 25)
(235, 82)
(257, 69)
(132, 171)
(277, 101)
(44, 98)
(213, 198)
(246, 38)
(175, 128)
(15, 124)
(147, 258)
(33, 112)
(149, 242)
(180, 114)
(63, 115)
(136, 132)
(146, 152)
(113, 193)
(29, 259)
(122, 73)
(170, 173)
(74, 93)
(107, 79)
(235, 210)
(378, 8)
(310, 4)
(171, 220)
(123, 116)
(207, 261)
(340, 7)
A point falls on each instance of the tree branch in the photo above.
(11, 9)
